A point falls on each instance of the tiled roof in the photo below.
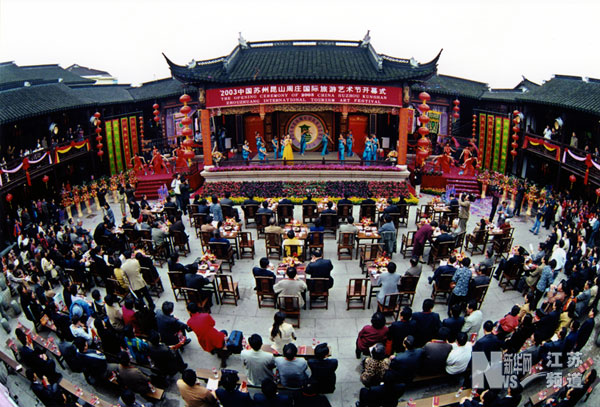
(42, 99)
(501, 95)
(570, 92)
(451, 86)
(85, 71)
(104, 94)
(303, 61)
(157, 89)
(10, 72)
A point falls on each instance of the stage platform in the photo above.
(310, 167)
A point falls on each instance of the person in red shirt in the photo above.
(371, 334)
(509, 323)
(209, 338)
(128, 312)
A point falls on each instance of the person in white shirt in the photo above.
(548, 133)
(282, 333)
(258, 363)
(175, 185)
(460, 355)
(80, 330)
(560, 256)
(473, 319)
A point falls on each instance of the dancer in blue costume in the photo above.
(275, 143)
(374, 147)
(326, 140)
(303, 140)
(341, 148)
(259, 141)
(262, 153)
(367, 151)
(246, 150)
(349, 142)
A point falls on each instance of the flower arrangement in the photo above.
(381, 261)
(230, 222)
(304, 167)
(295, 222)
(458, 254)
(291, 261)
(208, 257)
(366, 222)
(436, 200)
(433, 191)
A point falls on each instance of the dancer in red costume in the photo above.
(139, 164)
(468, 167)
(158, 163)
(180, 162)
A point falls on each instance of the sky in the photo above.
(496, 42)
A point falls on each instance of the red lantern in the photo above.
(189, 154)
(185, 98)
(514, 145)
(188, 142)
(187, 132)
(97, 115)
(100, 153)
(155, 106)
(185, 110)
(156, 113)
(186, 121)
(46, 178)
(456, 109)
(455, 115)
(99, 145)
(572, 178)
(9, 198)
(423, 108)
(424, 96)
(515, 137)
(424, 119)
(98, 138)
(423, 131)
(514, 153)
(156, 119)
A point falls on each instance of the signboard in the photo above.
(304, 94)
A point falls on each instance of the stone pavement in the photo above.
(336, 326)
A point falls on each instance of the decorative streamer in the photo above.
(505, 140)
(109, 147)
(117, 142)
(490, 141)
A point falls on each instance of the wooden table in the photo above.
(45, 344)
(301, 231)
(205, 374)
(282, 267)
(362, 234)
(211, 278)
(86, 396)
(321, 206)
(304, 351)
(232, 235)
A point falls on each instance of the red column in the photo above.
(205, 128)
(402, 136)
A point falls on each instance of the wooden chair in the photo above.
(264, 292)
(249, 213)
(246, 244)
(285, 213)
(487, 271)
(227, 289)
(440, 251)
(442, 288)
(344, 211)
(262, 221)
(357, 291)
(146, 234)
(314, 240)
(511, 273)
(404, 213)
(459, 240)
(193, 295)
(133, 236)
(477, 240)
(329, 221)
(290, 306)
(273, 245)
(204, 240)
(227, 211)
(177, 280)
(199, 220)
(391, 307)
(407, 289)
(424, 212)
(369, 252)
(192, 210)
(407, 243)
(479, 293)
(294, 250)
(368, 211)
(501, 247)
(388, 239)
(113, 286)
(171, 212)
(75, 279)
(318, 289)
(309, 213)
(346, 246)
(223, 251)
(181, 241)
(395, 217)
(158, 253)
(152, 280)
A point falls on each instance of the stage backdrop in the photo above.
(493, 141)
(359, 124)
(253, 124)
(121, 141)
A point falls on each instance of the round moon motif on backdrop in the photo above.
(306, 123)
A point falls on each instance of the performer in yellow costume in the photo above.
(288, 153)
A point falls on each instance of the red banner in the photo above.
(482, 150)
(126, 147)
(304, 94)
(489, 142)
(134, 138)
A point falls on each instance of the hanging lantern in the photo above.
(456, 109)
(46, 178)
(597, 194)
(98, 130)
(100, 153)
(156, 113)
(423, 144)
(9, 199)
(572, 179)
(187, 131)
(515, 136)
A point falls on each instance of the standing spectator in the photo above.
(463, 211)
(519, 199)
(132, 270)
(184, 188)
(462, 277)
(424, 233)
(209, 338)
(175, 186)
(258, 363)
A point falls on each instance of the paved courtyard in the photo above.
(336, 326)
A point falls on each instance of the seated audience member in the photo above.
(216, 238)
(372, 334)
(36, 359)
(329, 208)
(319, 267)
(454, 323)
(110, 339)
(375, 366)
(293, 371)
(165, 359)
(93, 362)
(547, 323)
(291, 286)
(480, 278)
(262, 270)
(317, 227)
(308, 397)
(258, 363)
(127, 399)
(447, 269)
(388, 281)
(391, 208)
(128, 312)
(292, 240)
(345, 200)
(521, 334)
(308, 200)
(435, 353)
(50, 395)
(388, 226)
(382, 395)
(415, 268)
(473, 319)
(407, 363)
(585, 330)
(265, 209)
(132, 377)
(427, 323)
(170, 327)
(349, 226)
(273, 227)
(516, 260)
(209, 338)
(208, 226)
(489, 342)
(460, 355)
(193, 393)
(269, 397)
(281, 333)
(227, 393)
(323, 369)
(445, 236)
(399, 330)
(508, 323)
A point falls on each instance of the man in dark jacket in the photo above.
(50, 395)
(95, 367)
(435, 353)
(167, 361)
(489, 342)
(427, 323)
(586, 329)
(545, 327)
(169, 326)
(407, 363)
(319, 267)
(386, 394)
(401, 329)
(262, 271)
(323, 369)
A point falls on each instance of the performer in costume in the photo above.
(367, 151)
(374, 147)
(158, 163)
(246, 150)
(288, 153)
(304, 138)
(180, 161)
(259, 141)
(262, 153)
(341, 147)
(465, 154)
(349, 142)
(139, 164)
(275, 143)
(469, 167)
(326, 140)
